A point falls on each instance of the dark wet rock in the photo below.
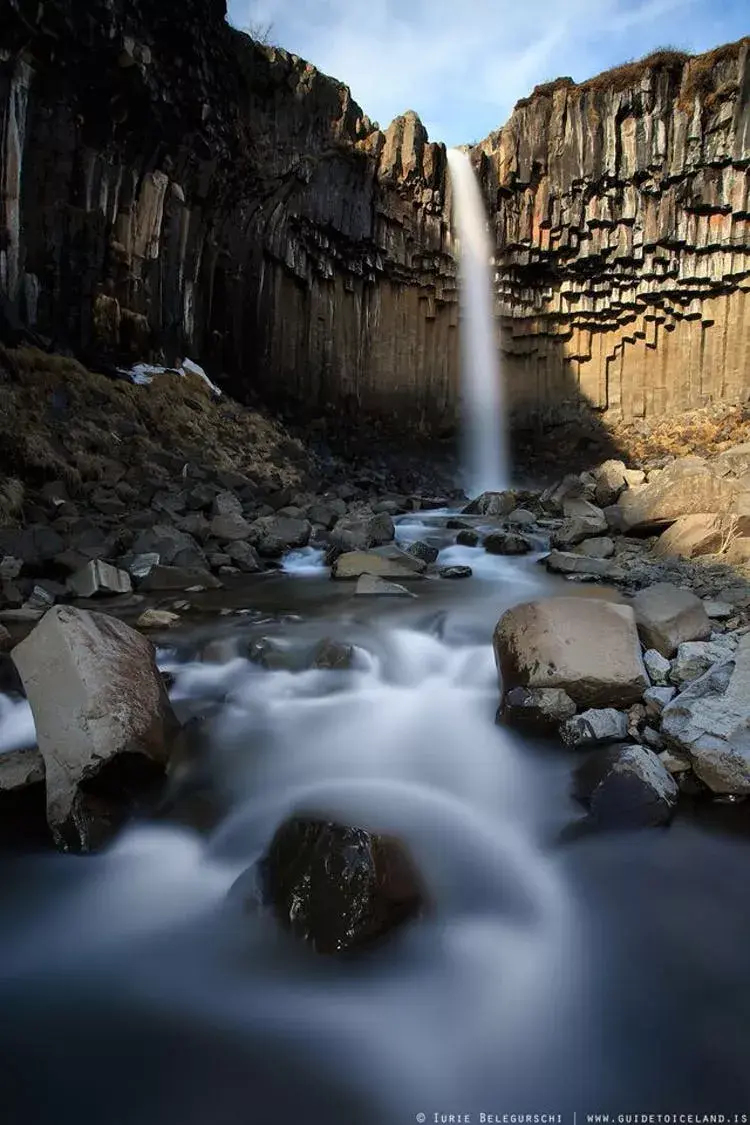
(496, 504)
(506, 543)
(423, 551)
(272, 536)
(338, 888)
(456, 524)
(668, 615)
(333, 655)
(467, 538)
(538, 709)
(201, 497)
(595, 727)
(10, 568)
(635, 792)
(179, 578)
(455, 572)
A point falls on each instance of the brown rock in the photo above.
(667, 616)
(686, 488)
(103, 720)
(589, 648)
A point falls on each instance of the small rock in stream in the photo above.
(336, 887)
(454, 572)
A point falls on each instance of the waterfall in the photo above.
(484, 436)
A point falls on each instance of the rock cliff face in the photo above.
(169, 187)
(623, 237)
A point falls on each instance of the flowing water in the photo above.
(603, 975)
(484, 428)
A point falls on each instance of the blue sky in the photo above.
(461, 64)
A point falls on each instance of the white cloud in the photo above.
(461, 64)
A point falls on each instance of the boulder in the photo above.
(636, 791)
(521, 517)
(103, 720)
(495, 504)
(506, 543)
(696, 657)
(700, 534)
(595, 727)
(326, 512)
(569, 562)
(98, 577)
(455, 572)
(179, 578)
(243, 556)
(338, 888)
(668, 615)
(142, 565)
(168, 543)
(423, 551)
(610, 482)
(579, 508)
(467, 538)
(226, 504)
(358, 533)
(587, 647)
(353, 564)
(370, 584)
(272, 536)
(570, 487)
(601, 547)
(656, 699)
(710, 723)
(230, 527)
(538, 709)
(687, 487)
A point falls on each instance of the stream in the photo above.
(554, 976)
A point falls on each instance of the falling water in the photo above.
(485, 444)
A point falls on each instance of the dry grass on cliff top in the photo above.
(697, 73)
(60, 421)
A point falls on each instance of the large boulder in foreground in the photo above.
(667, 616)
(337, 887)
(589, 648)
(103, 719)
(710, 722)
(687, 487)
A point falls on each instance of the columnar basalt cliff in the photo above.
(170, 187)
(623, 237)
